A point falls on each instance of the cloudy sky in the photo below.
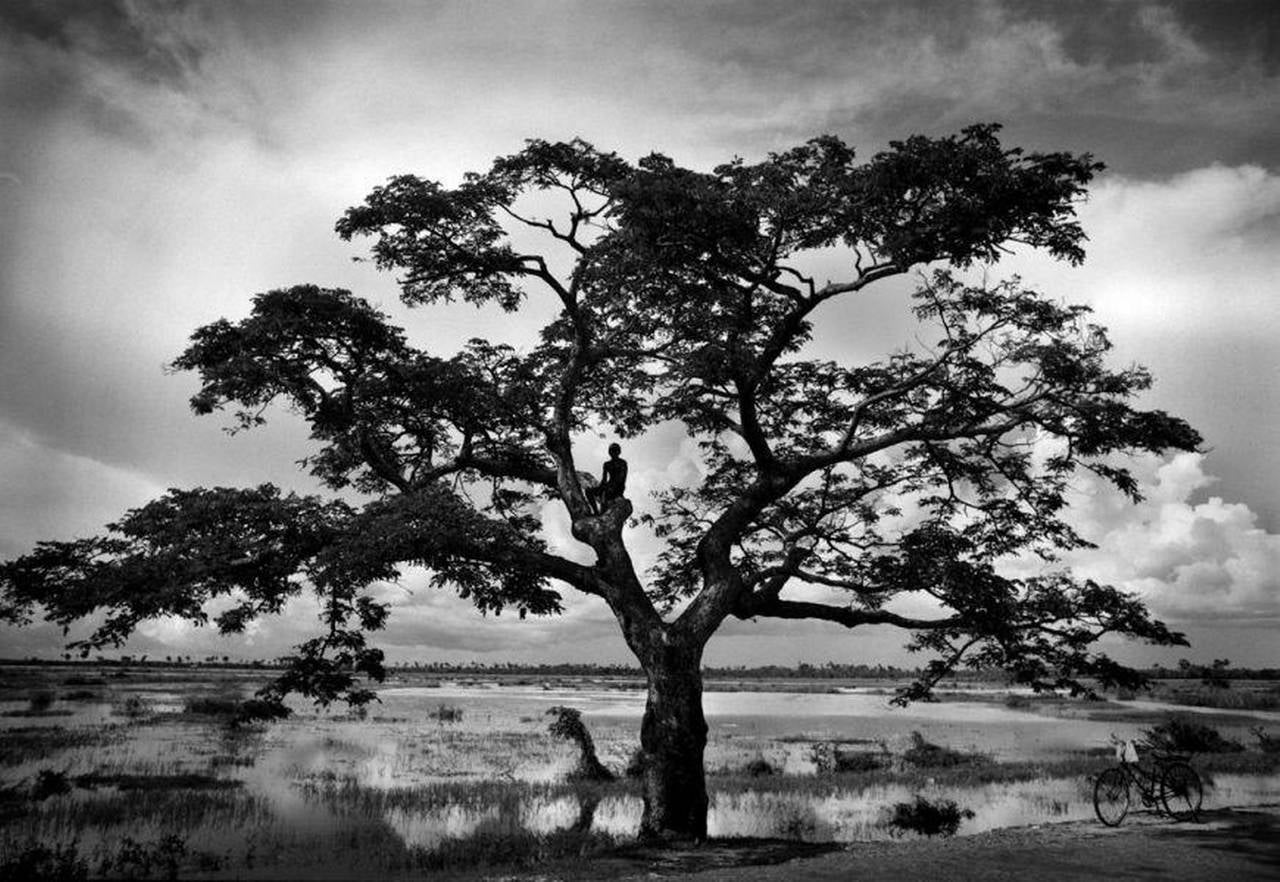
(161, 163)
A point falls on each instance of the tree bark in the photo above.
(673, 737)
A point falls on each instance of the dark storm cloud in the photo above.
(159, 163)
(1151, 88)
(116, 32)
(59, 52)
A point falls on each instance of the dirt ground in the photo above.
(1239, 845)
(1223, 845)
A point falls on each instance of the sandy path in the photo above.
(1232, 845)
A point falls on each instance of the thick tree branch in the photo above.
(841, 615)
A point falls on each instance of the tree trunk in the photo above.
(673, 737)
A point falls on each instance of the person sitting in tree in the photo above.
(612, 482)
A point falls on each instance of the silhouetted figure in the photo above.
(612, 482)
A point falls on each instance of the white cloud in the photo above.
(1188, 557)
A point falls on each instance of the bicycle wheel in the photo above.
(1111, 796)
(1181, 792)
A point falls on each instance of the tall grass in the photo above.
(1226, 699)
(27, 743)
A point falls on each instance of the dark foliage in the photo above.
(1186, 735)
(759, 767)
(1267, 743)
(41, 700)
(41, 863)
(137, 860)
(927, 817)
(49, 782)
(675, 296)
(567, 724)
(926, 755)
(828, 758)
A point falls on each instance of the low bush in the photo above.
(860, 762)
(258, 710)
(1266, 743)
(446, 713)
(925, 755)
(759, 767)
(567, 723)
(134, 707)
(40, 700)
(927, 818)
(48, 783)
(40, 863)
(635, 765)
(828, 758)
(212, 705)
(136, 860)
(1185, 735)
(80, 695)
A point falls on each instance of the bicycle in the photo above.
(1165, 783)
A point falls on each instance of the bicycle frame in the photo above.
(1164, 782)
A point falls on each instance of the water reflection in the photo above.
(319, 777)
(845, 816)
(430, 829)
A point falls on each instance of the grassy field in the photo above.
(142, 775)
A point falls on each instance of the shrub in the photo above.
(212, 705)
(760, 767)
(80, 695)
(635, 765)
(1266, 743)
(926, 755)
(49, 783)
(941, 818)
(40, 700)
(136, 859)
(40, 863)
(133, 707)
(446, 713)
(567, 724)
(1184, 735)
(828, 759)
(860, 761)
(259, 710)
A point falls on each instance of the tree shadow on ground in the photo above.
(1253, 834)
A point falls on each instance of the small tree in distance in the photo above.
(680, 296)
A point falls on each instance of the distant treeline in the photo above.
(1186, 670)
(803, 671)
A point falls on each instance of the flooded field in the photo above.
(445, 773)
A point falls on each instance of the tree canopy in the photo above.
(679, 296)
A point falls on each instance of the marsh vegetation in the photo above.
(158, 774)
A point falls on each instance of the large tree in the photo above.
(831, 488)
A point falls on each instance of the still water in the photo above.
(296, 775)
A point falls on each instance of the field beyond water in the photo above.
(137, 772)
